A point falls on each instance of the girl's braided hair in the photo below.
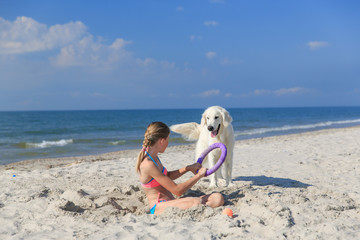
(154, 132)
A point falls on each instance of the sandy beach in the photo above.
(300, 186)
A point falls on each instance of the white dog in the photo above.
(215, 127)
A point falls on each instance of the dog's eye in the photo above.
(216, 117)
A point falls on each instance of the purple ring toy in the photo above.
(219, 162)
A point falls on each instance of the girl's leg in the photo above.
(213, 200)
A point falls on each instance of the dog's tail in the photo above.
(190, 131)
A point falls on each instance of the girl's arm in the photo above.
(170, 185)
(178, 173)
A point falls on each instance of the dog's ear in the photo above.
(227, 119)
(203, 120)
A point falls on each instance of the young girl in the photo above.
(158, 183)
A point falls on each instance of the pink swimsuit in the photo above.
(153, 183)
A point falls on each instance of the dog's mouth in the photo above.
(215, 132)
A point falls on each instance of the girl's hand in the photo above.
(194, 167)
(202, 172)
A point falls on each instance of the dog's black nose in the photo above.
(210, 128)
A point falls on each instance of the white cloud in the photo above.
(211, 55)
(261, 92)
(194, 37)
(180, 8)
(167, 64)
(210, 93)
(119, 43)
(284, 91)
(314, 45)
(211, 23)
(26, 35)
(146, 62)
(88, 52)
(150, 62)
(278, 92)
(76, 46)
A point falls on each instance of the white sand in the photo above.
(302, 186)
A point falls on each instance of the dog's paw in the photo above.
(230, 184)
(213, 184)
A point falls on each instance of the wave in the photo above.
(259, 131)
(120, 142)
(46, 144)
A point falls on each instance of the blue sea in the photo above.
(48, 134)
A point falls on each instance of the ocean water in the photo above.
(48, 134)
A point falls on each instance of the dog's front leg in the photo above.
(228, 169)
(214, 176)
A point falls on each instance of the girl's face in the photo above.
(164, 142)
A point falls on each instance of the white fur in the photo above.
(214, 116)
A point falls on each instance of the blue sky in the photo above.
(69, 55)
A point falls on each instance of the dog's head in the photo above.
(215, 119)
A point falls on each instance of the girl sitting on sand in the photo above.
(158, 183)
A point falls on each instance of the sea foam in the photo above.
(286, 128)
(46, 144)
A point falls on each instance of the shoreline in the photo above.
(63, 161)
(295, 186)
